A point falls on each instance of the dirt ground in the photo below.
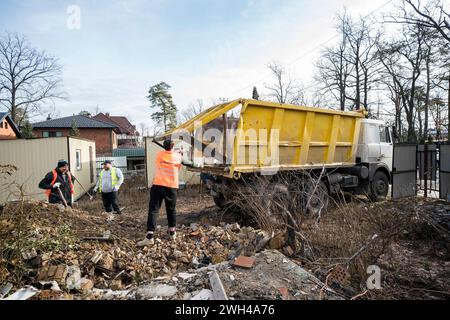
(194, 205)
(411, 249)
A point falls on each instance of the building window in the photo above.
(78, 159)
(384, 135)
(1, 125)
(51, 134)
(6, 125)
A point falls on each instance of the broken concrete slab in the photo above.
(24, 293)
(29, 254)
(218, 290)
(73, 281)
(152, 291)
(204, 294)
(5, 290)
(264, 280)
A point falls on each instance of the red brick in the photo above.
(244, 262)
(284, 293)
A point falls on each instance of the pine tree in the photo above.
(255, 94)
(74, 131)
(85, 113)
(165, 114)
(27, 130)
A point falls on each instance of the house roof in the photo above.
(123, 123)
(13, 125)
(81, 122)
(134, 152)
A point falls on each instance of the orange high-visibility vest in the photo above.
(167, 165)
(55, 176)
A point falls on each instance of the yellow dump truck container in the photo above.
(270, 136)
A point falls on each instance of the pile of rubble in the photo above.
(72, 254)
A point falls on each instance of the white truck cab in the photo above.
(375, 143)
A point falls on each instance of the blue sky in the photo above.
(204, 49)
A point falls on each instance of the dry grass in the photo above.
(352, 233)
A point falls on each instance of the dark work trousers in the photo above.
(157, 195)
(110, 202)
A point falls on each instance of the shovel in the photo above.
(62, 197)
(90, 196)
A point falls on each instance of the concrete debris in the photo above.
(206, 261)
(5, 290)
(154, 291)
(73, 281)
(24, 293)
(204, 294)
(29, 254)
(186, 276)
(218, 290)
(50, 285)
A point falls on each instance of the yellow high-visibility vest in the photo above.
(114, 178)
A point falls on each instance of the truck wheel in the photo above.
(379, 186)
(316, 202)
(220, 200)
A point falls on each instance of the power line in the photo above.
(294, 61)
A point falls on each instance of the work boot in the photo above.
(148, 241)
(172, 234)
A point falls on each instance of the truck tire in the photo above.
(220, 200)
(316, 202)
(379, 186)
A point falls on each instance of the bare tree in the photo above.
(333, 71)
(28, 78)
(403, 61)
(439, 115)
(431, 15)
(192, 110)
(349, 70)
(285, 88)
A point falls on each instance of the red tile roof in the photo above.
(123, 123)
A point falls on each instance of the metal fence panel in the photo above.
(444, 171)
(404, 171)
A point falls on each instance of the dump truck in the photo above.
(327, 151)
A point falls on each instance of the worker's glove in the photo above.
(116, 188)
(57, 185)
(95, 190)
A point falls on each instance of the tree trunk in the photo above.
(411, 129)
(448, 106)
(419, 117)
(427, 96)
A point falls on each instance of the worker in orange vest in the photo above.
(165, 186)
(59, 178)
